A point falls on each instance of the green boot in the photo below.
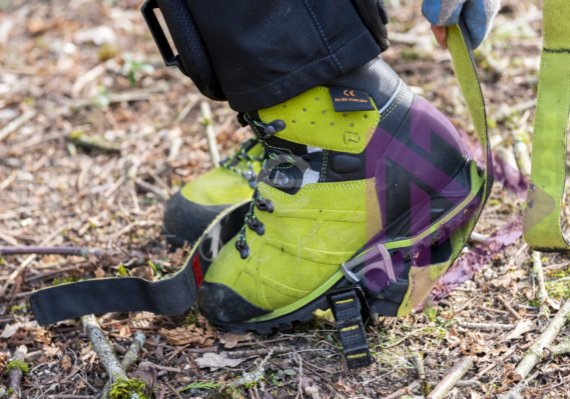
(358, 188)
(197, 204)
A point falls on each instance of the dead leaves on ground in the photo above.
(215, 361)
(192, 335)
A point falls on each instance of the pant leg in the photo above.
(267, 51)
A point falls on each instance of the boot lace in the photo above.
(263, 205)
(242, 155)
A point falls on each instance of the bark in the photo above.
(15, 376)
(403, 391)
(103, 349)
(535, 352)
(419, 364)
(449, 381)
(486, 326)
(561, 349)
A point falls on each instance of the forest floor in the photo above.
(108, 134)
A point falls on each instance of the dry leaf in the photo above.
(99, 273)
(11, 329)
(523, 326)
(144, 272)
(191, 335)
(231, 340)
(474, 343)
(65, 363)
(124, 331)
(215, 361)
(453, 338)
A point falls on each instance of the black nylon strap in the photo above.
(348, 308)
(165, 297)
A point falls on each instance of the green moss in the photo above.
(10, 391)
(18, 364)
(106, 52)
(71, 279)
(128, 389)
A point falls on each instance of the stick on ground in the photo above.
(449, 381)
(535, 352)
(403, 391)
(508, 307)
(210, 133)
(16, 374)
(419, 364)
(561, 349)
(103, 348)
(541, 294)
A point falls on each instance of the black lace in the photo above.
(242, 155)
(263, 205)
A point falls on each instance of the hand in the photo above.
(477, 14)
(440, 33)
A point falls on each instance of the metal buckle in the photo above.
(379, 249)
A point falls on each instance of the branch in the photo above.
(535, 352)
(103, 348)
(71, 251)
(129, 358)
(449, 381)
(419, 364)
(486, 326)
(403, 391)
(541, 294)
(561, 349)
(16, 373)
(258, 352)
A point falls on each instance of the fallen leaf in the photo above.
(215, 361)
(231, 340)
(453, 338)
(475, 344)
(124, 331)
(147, 374)
(144, 272)
(51, 351)
(523, 326)
(99, 273)
(191, 335)
(65, 363)
(11, 329)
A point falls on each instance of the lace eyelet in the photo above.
(243, 249)
(265, 205)
(256, 226)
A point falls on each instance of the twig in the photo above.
(561, 349)
(478, 237)
(16, 123)
(258, 352)
(130, 357)
(71, 251)
(96, 142)
(300, 362)
(103, 349)
(522, 156)
(508, 307)
(16, 374)
(541, 294)
(210, 133)
(521, 386)
(29, 260)
(419, 364)
(486, 326)
(460, 384)
(159, 367)
(187, 108)
(150, 188)
(403, 391)
(8, 180)
(534, 353)
(449, 381)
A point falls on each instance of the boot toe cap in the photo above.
(222, 305)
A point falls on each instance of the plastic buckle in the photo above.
(159, 37)
(350, 310)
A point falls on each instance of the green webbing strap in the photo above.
(466, 73)
(541, 218)
(178, 292)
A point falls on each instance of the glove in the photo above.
(477, 14)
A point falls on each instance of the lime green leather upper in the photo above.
(311, 120)
(307, 237)
(222, 186)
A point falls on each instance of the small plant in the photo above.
(200, 385)
(71, 279)
(18, 364)
(128, 389)
(10, 391)
(133, 68)
(122, 271)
